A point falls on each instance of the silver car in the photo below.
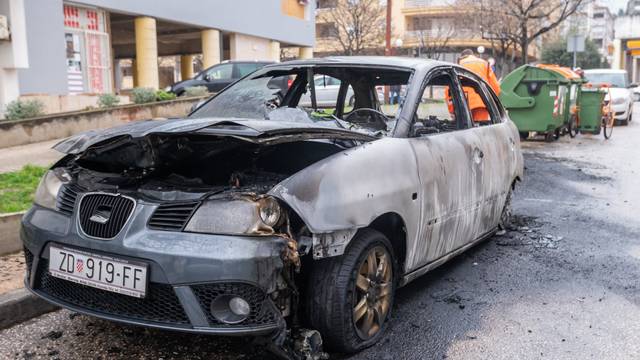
(256, 215)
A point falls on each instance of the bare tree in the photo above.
(359, 26)
(521, 22)
(435, 41)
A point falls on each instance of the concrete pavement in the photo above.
(14, 158)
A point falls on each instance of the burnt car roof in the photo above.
(405, 62)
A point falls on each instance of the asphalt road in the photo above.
(563, 285)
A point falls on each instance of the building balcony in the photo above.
(429, 7)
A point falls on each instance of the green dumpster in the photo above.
(590, 114)
(575, 90)
(537, 100)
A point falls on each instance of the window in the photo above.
(220, 72)
(326, 30)
(437, 111)
(476, 100)
(246, 69)
(418, 23)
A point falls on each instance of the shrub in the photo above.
(24, 109)
(162, 95)
(196, 91)
(143, 95)
(108, 100)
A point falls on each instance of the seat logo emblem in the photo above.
(101, 214)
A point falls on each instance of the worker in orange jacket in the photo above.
(483, 69)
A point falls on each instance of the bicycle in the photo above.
(608, 119)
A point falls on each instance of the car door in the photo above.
(218, 77)
(497, 143)
(449, 159)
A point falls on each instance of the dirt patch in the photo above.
(12, 268)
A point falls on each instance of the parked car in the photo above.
(218, 76)
(636, 92)
(327, 88)
(255, 214)
(621, 96)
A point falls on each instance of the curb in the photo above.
(20, 305)
(10, 233)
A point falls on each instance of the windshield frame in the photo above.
(305, 67)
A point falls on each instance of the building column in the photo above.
(146, 53)
(186, 67)
(305, 53)
(617, 55)
(8, 88)
(210, 47)
(274, 50)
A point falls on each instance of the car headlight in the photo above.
(167, 89)
(240, 215)
(618, 101)
(50, 185)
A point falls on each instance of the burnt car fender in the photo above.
(347, 191)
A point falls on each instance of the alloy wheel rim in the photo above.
(372, 295)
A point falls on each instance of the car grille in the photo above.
(117, 208)
(161, 305)
(172, 216)
(67, 199)
(259, 315)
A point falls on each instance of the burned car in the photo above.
(258, 216)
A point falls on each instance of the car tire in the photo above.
(333, 293)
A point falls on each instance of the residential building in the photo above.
(595, 21)
(633, 7)
(424, 28)
(63, 48)
(626, 46)
(602, 31)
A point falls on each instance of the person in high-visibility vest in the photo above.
(482, 68)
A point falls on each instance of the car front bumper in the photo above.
(186, 272)
(621, 111)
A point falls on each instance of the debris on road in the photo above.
(526, 231)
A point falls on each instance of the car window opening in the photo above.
(437, 110)
(350, 97)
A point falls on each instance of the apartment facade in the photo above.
(437, 29)
(595, 21)
(626, 46)
(76, 47)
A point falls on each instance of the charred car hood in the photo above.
(251, 130)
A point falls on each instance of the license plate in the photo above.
(102, 272)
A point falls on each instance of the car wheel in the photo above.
(349, 298)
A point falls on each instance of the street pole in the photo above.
(387, 34)
(387, 45)
(575, 60)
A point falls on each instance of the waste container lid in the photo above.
(529, 73)
(564, 71)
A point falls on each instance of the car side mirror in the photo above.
(207, 77)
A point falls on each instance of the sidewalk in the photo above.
(12, 269)
(14, 158)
